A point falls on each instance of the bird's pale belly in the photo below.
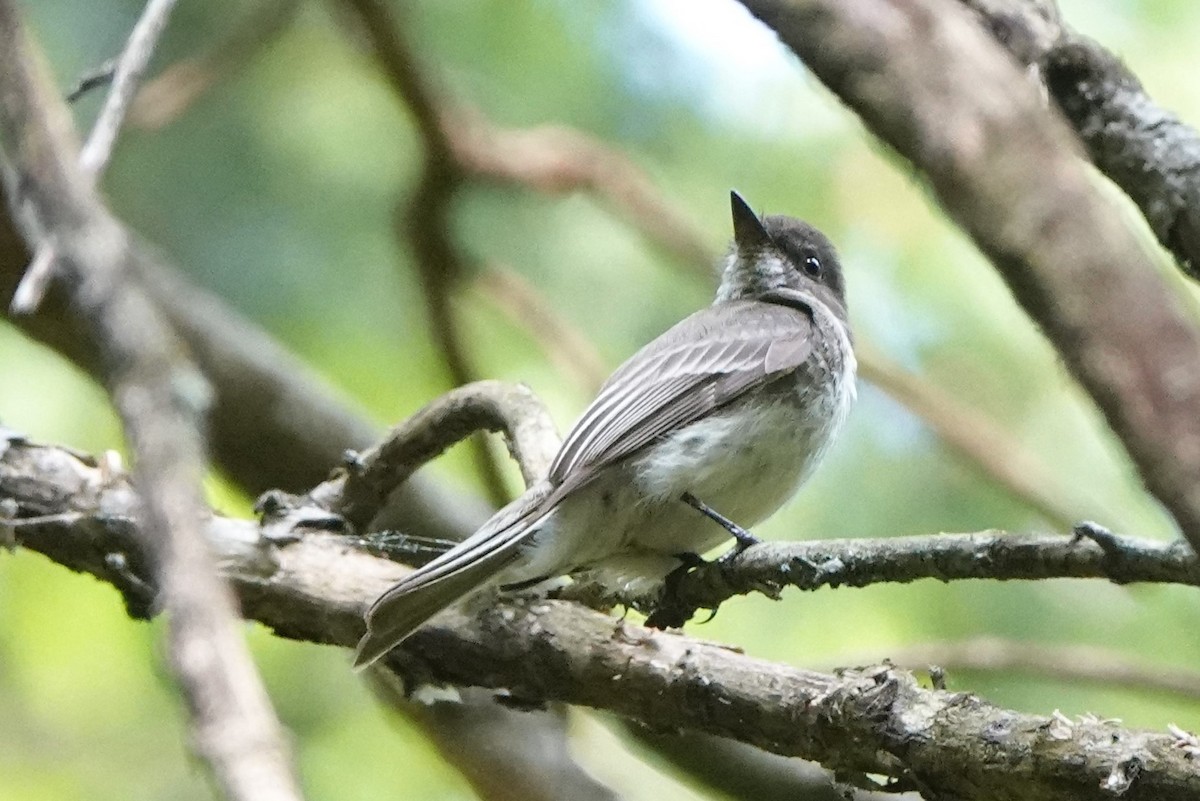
(743, 465)
(633, 521)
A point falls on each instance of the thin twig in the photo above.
(126, 74)
(161, 400)
(92, 79)
(997, 555)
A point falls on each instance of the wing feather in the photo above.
(706, 361)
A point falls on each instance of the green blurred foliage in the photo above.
(277, 190)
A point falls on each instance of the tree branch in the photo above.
(1147, 151)
(275, 423)
(127, 72)
(927, 80)
(362, 492)
(999, 555)
(873, 720)
(160, 398)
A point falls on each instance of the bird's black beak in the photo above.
(748, 232)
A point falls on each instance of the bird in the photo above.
(727, 413)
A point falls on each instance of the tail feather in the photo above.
(430, 589)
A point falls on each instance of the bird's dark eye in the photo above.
(812, 266)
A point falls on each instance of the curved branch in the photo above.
(866, 721)
(927, 80)
(481, 406)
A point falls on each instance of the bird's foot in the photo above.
(672, 612)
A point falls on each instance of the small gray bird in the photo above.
(728, 413)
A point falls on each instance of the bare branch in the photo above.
(875, 720)
(127, 76)
(160, 398)
(811, 564)
(1152, 155)
(927, 80)
(481, 406)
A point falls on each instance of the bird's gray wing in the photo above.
(704, 362)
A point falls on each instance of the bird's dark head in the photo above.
(778, 252)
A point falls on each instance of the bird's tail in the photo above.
(428, 590)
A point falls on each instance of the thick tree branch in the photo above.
(865, 721)
(160, 399)
(1147, 151)
(926, 79)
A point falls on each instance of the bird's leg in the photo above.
(744, 538)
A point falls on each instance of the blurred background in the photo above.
(276, 189)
